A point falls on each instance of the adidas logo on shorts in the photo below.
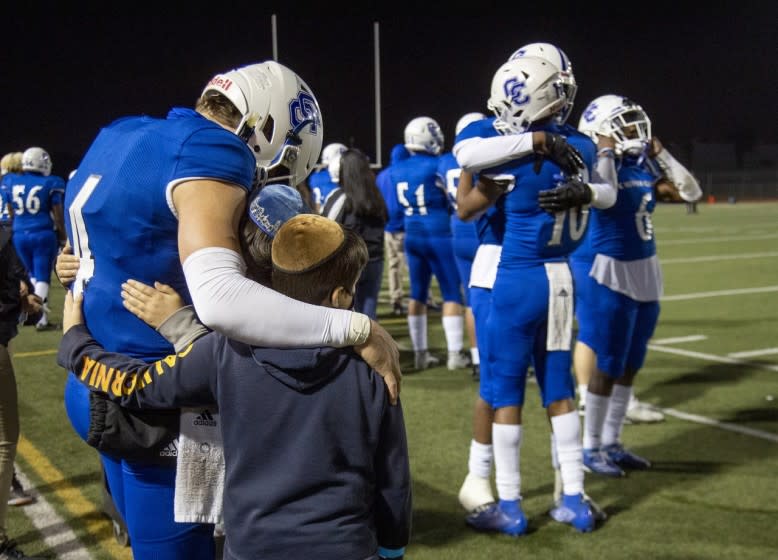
(205, 418)
(170, 450)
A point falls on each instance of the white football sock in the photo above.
(454, 328)
(417, 329)
(567, 434)
(594, 418)
(506, 440)
(617, 411)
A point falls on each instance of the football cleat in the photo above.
(422, 359)
(642, 413)
(575, 510)
(625, 459)
(457, 360)
(505, 517)
(475, 493)
(18, 496)
(595, 461)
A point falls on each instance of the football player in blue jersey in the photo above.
(38, 221)
(465, 239)
(394, 232)
(546, 211)
(176, 189)
(319, 181)
(478, 146)
(618, 278)
(428, 241)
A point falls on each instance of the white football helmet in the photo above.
(37, 160)
(282, 121)
(525, 90)
(330, 151)
(423, 134)
(466, 119)
(620, 118)
(333, 167)
(558, 58)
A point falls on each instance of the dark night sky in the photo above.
(707, 75)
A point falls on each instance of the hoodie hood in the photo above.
(304, 369)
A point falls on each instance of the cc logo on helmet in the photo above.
(513, 89)
(591, 112)
(304, 111)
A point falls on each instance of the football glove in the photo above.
(560, 152)
(571, 194)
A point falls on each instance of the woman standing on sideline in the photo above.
(358, 205)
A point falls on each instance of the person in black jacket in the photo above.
(17, 297)
(357, 203)
(316, 458)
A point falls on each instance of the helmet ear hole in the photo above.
(268, 128)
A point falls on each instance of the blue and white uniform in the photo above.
(125, 183)
(33, 197)
(618, 279)
(465, 239)
(531, 314)
(428, 239)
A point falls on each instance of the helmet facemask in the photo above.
(631, 129)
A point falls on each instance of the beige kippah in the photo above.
(306, 241)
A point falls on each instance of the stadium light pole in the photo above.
(377, 70)
(377, 78)
(274, 33)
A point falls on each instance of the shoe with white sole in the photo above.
(642, 413)
(457, 360)
(422, 359)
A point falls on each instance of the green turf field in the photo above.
(713, 366)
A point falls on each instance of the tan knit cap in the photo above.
(305, 242)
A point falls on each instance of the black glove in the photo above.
(571, 194)
(561, 153)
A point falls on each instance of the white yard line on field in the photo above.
(699, 240)
(753, 353)
(716, 258)
(712, 357)
(680, 339)
(719, 293)
(723, 425)
(721, 359)
(57, 535)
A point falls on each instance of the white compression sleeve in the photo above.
(476, 154)
(228, 302)
(678, 175)
(605, 183)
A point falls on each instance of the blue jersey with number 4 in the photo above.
(120, 219)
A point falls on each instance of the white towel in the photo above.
(199, 467)
(560, 306)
